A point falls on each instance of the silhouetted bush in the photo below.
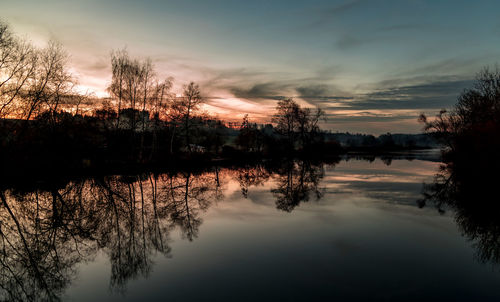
(472, 127)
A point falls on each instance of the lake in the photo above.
(349, 230)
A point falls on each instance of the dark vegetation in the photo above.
(384, 143)
(48, 228)
(47, 126)
(468, 179)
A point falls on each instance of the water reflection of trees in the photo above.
(252, 176)
(296, 181)
(40, 241)
(468, 180)
(45, 231)
(469, 189)
(190, 195)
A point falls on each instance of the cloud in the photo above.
(348, 41)
(400, 27)
(455, 65)
(269, 84)
(339, 9)
(326, 15)
(392, 34)
(322, 95)
(369, 117)
(268, 90)
(389, 103)
(317, 90)
(432, 95)
(320, 91)
(315, 94)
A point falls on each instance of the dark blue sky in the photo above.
(373, 65)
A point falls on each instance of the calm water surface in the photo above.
(298, 232)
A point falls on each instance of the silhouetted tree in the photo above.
(473, 125)
(466, 181)
(50, 82)
(33, 80)
(184, 109)
(297, 124)
(386, 140)
(18, 61)
(119, 59)
(308, 127)
(249, 137)
(286, 120)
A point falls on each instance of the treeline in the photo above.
(45, 122)
(383, 142)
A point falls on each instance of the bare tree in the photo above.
(475, 119)
(127, 85)
(185, 107)
(135, 86)
(17, 65)
(161, 98)
(286, 120)
(119, 60)
(49, 82)
(159, 106)
(295, 123)
(249, 137)
(307, 122)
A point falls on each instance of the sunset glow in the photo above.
(249, 150)
(283, 58)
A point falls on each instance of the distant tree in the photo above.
(286, 120)
(308, 127)
(161, 98)
(249, 138)
(297, 124)
(148, 89)
(185, 107)
(119, 59)
(369, 141)
(159, 105)
(387, 140)
(212, 134)
(132, 83)
(105, 114)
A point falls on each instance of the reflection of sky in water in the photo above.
(365, 239)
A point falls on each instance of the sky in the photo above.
(372, 65)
